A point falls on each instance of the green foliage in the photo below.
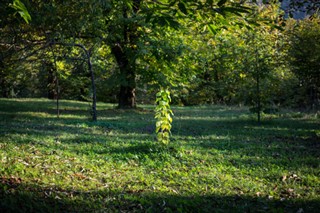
(137, 36)
(206, 51)
(304, 57)
(21, 9)
(163, 115)
(235, 60)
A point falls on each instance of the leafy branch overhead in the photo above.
(21, 9)
(209, 12)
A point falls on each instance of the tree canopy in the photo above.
(205, 51)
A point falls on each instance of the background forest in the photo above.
(205, 52)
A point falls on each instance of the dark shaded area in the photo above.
(217, 128)
(17, 196)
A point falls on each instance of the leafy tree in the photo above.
(154, 43)
(141, 19)
(304, 52)
(21, 9)
(234, 58)
(6, 43)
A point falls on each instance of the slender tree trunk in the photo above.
(50, 81)
(258, 98)
(57, 95)
(257, 72)
(93, 85)
(57, 86)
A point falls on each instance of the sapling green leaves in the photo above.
(163, 115)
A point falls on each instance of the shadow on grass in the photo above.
(136, 123)
(273, 139)
(193, 122)
(218, 128)
(131, 134)
(16, 196)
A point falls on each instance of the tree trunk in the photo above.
(4, 88)
(93, 85)
(50, 81)
(127, 97)
(124, 53)
(3, 83)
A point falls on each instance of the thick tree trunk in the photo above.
(127, 94)
(124, 54)
(3, 83)
(4, 88)
(127, 97)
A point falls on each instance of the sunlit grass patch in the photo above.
(219, 159)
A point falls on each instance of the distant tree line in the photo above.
(205, 52)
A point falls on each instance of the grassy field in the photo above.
(219, 160)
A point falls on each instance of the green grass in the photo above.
(219, 160)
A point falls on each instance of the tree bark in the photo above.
(124, 54)
(4, 88)
(50, 80)
(3, 83)
(93, 85)
(127, 97)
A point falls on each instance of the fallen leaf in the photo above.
(79, 176)
(284, 177)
